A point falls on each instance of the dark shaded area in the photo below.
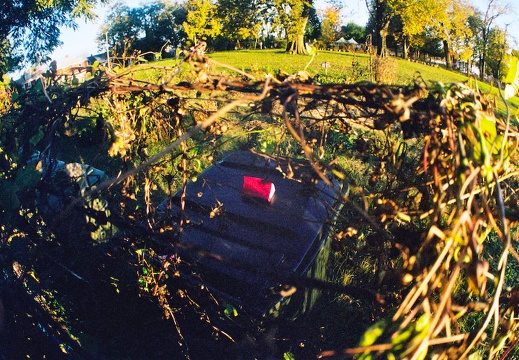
(246, 248)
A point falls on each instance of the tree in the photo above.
(201, 21)
(161, 24)
(441, 19)
(330, 25)
(413, 25)
(450, 24)
(352, 30)
(496, 53)
(313, 27)
(240, 19)
(482, 29)
(381, 12)
(29, 30)
(425, 44)
(144, 29)
(294, 16)
(121, 30)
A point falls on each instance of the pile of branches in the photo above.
(445, 255)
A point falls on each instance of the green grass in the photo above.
(344, 67)
(343, 70)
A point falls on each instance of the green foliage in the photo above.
(294, 15)
(313, 31)
(496, 56)
(241, 19)
(512, 78)
(288, 356)
(201, 23)
(161, 24)
(352, 30)
(33, 28)
(330, 26)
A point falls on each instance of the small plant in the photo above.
(358, 71)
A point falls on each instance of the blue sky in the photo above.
(82, 43)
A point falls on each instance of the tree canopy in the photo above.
(330, 25)
(241, 19)
(145, 29)
(294, 16)
(201, 22)
(29, 30)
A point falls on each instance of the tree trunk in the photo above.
(382, 50)
(447, 51)
(382, 19)
(483, 56)
(483, 65)
(296, 45)
(405, 49)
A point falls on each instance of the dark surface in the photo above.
(249, 247)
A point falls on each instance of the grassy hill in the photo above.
(345, 67)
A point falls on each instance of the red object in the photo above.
(258, 188)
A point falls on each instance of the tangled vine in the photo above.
(434, 210)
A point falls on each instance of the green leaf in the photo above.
(193, 152)
(512, 78)
(27, 177)
(230, 311)
(8, 195)
(475, 356)
(373, 333)
(36, 138)
(512, 72)
(288, 356)
(197, 165)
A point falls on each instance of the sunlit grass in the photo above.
(345, 67)
(340, 67)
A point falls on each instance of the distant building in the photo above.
(101, 58)
(65, 70)
(29, 78)
(72, 68)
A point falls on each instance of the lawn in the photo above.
(340, 67)
(343, 67)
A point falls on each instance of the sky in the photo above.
(82, 42)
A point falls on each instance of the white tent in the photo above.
(341, 41)
(352, 41)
